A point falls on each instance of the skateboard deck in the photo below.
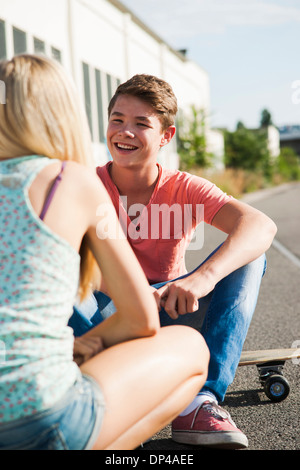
(259, 357)
(270, 364)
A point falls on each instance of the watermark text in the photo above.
(154, 222)
(296, 93)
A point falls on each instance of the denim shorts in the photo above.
(71, 424)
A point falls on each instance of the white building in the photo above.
(101, 43)
(273, 141)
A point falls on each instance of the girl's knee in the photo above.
(191, 345)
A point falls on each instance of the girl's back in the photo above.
(39, 276)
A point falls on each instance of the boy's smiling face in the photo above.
(134, 133)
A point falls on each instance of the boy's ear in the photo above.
(168, 135)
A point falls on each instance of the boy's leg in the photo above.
(228, 311)
(91, 312)
(227, 321)
(224, 317)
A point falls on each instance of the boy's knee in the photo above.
(259, 264)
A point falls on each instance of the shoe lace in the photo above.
(217, 411)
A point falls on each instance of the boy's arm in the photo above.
(250, 234)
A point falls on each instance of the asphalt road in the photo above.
(276, 324)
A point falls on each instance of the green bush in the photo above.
(288, 164)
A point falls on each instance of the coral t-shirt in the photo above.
(163, 230)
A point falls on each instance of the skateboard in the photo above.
(270, 365)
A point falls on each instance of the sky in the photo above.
(249, 48)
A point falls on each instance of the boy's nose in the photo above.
(126, 131)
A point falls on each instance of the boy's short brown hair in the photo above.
(154, 91)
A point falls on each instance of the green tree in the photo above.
(247, 149)
(240, 125)
(191, 140)
(288, 164)
(266, 118)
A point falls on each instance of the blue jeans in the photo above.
(223, 318)
(71, 424)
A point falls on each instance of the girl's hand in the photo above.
(86, 348)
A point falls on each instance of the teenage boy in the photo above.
(225, 286)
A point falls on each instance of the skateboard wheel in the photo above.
(276, 388)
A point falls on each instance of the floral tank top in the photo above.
(39, 275)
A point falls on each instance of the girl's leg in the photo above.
(159, 417)
(146, 383)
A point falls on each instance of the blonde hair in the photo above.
(43, 115)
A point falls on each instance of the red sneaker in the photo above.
(208, 425)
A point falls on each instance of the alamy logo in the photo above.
(2, 92)
(296, 93)
(154, 222)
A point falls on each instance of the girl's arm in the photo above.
(125, 281)
(82, 208)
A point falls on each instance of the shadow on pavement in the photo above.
(242, 398)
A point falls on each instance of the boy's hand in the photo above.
(181, 296)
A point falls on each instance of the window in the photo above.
(20, 41)
(99, 88)
(87, 94)
(2, 41)
(112, 84)
(56, 54)
(109, 87)
(100, 106)
(39, 46)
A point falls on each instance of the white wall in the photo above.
(273, 141)
(215, 145)
(110, 41)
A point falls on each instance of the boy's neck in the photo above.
(129, 180)
(137, 184)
